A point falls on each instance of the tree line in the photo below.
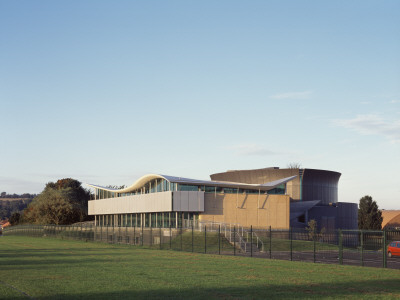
(62, 202)
(4, 195)
(7, 207)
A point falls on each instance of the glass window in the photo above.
(166, 220)
(159, 185)
(159, 219)
(219, 189)
(172, 219)
(165, 185)
(230, 190)
(179, 220)
(210, 189)
(173, 186)
(134, 220)
(186, 187)
(279, 190)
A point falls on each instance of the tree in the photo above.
(63, 202)
(294, 165)
(369, 216)
(312, 230)
(15, 218)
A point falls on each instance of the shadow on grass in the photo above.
(357, 289)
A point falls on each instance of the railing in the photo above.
(255, 240)
(355, 247)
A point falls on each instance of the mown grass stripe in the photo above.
(15, 289)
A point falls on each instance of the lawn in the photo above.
(48, 268)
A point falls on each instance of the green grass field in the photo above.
(47, 268)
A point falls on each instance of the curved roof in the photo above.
(146, 178)
(390, 217)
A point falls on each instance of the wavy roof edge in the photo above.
(146, 178)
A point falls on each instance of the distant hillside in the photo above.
(10, 205)
(15, 199)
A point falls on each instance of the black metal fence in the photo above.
(351, 247)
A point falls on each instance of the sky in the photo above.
(108, 91)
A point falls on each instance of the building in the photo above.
(261, 198)
(391, 219)
(313, 195)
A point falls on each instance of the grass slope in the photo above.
(46, 268)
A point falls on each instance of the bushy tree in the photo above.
(63, 202)
(312, 230)
(15, 218)
(369, 215)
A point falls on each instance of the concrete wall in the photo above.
(146, 203)
(261, 211)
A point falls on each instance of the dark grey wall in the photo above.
(342, 216)
(320, 185)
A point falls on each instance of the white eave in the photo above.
(146, 178)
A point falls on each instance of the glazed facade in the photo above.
(167, 201)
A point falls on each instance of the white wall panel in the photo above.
(184, 201)
(154, 202)
(176, 196)
(188, 201)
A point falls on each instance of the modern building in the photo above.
(313, 195)
(391, 219)
(261, 198)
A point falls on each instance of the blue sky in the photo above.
(107, 91)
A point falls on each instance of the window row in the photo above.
(162, 185)
(161, 219)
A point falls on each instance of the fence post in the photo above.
(219, 239)
(107, 234)
(340, 247)
(270, 242)
(81, 231)
(170, 237)
(205, 239)
(192, 236)
(160, 237)
(234, 240)
(291, 243)
(142, 235)
(151, 235)
(362, 248)
(314, 238)
(181, 238)
(251, 240)
(384, 249)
